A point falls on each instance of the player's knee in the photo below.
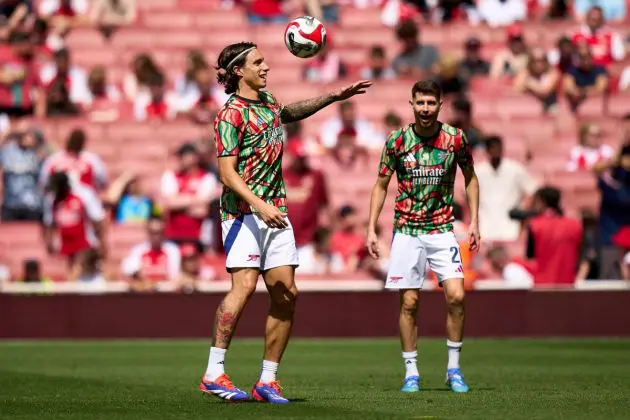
(410, 303)
(283, 297)
(455, 297)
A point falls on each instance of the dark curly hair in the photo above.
(226, 76)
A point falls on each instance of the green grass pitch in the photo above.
(344, 379)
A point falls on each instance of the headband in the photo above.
(238, 56)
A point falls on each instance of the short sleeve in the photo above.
(387, 164)
(207, 186)
(229, 128)
(168, 184)
(174, 258)
(132, 264)
(464, 154)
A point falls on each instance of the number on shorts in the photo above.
(455, 258)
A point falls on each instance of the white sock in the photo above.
(216, 363)
(454, 348)
(411, 363)
(268, 373)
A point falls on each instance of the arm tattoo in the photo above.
(224, 326)
(302, 109)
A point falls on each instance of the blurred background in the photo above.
(121, 94)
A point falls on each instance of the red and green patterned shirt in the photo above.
(425, 168)
(252, 131)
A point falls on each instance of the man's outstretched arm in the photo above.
(302, 109)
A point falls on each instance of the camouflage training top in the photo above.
(425, 168)
(252, 131)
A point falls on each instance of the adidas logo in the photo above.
(221, 363)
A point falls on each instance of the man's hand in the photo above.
(371, 243)
(474, 239)
(272, 217)
(347, 92)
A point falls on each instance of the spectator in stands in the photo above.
(504, 185)
(347, 240)
(81, 166)
(510, 61)
(90, 271)
(513, 272)
(539, 79)
(203, 101)
(136, 82)
(416, 60)
(67, 86)
(589, 150)
(128, 201)
(556, 9)
(104, 97)
(473, 64)
(502, 12)
(349, 122)
(377, 68)
(12, 14)
(76, 215)
(186, 83)
(20, 161)
(563, 56)
(19, 80)
(589, 255)
(325, 10)
(462, 118)
(32, 272)
(153, 261)
(317, 257)
(584, 80)
(614, 10)
(307, 194)
(157, 104)
(554, 240)
(449, 76)
(605, 44)
(392, 122)
(265, 11)
(190, 268)
(109, 15)
(64, 15)
(622, 241)
(614, 211)
(186, 194)
(326, 67)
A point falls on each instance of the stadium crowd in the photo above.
(85, 184)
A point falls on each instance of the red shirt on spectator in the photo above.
(605, 45)
(347, 244)
(73, 217)
(306, 195)
(180, 225)
(86, 168)
(265, 8)
(555, 241)
(156, 265)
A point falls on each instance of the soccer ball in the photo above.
(305, 36)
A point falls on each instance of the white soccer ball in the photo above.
(305, 36)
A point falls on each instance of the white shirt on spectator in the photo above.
(310, 264)
(583, 158)
(516, 275)
(190, 98)
(501, 190)
(79, 91)
(49, 7)
(366, 135)
(624, 81)
(143, 99)
(169, 186)
(132, 264)
(502, 13)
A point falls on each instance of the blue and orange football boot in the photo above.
(455, 380)
(270, 392)
(223, 388)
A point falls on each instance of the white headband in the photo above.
(227, 68)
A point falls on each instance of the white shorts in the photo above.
(248, 242)
(410, 254)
